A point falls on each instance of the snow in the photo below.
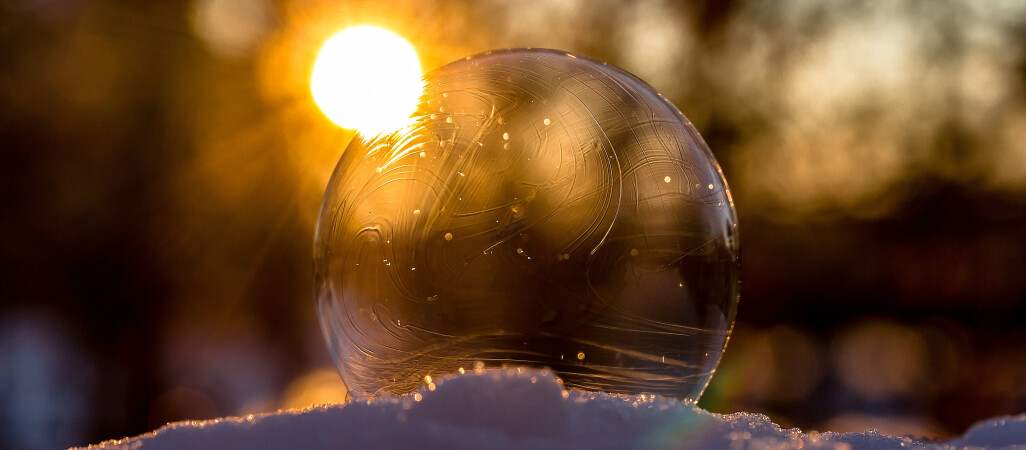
(526, 408)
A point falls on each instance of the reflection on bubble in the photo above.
(561, 218)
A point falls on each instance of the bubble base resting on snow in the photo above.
(523, 408)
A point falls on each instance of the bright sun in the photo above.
(368, 79)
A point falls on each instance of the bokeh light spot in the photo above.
(232, 28)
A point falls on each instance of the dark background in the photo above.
(161, 167)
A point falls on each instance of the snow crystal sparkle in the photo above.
(546, 209)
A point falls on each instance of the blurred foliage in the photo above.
(163, 165)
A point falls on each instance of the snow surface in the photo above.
(525, 408)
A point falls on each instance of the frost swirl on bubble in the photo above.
(545, 210)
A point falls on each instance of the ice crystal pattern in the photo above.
(545, 210)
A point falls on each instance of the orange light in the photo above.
(368, 79)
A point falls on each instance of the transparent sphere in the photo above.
(547, 210)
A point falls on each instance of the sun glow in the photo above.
(368, 79)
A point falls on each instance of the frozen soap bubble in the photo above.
(545, 210)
